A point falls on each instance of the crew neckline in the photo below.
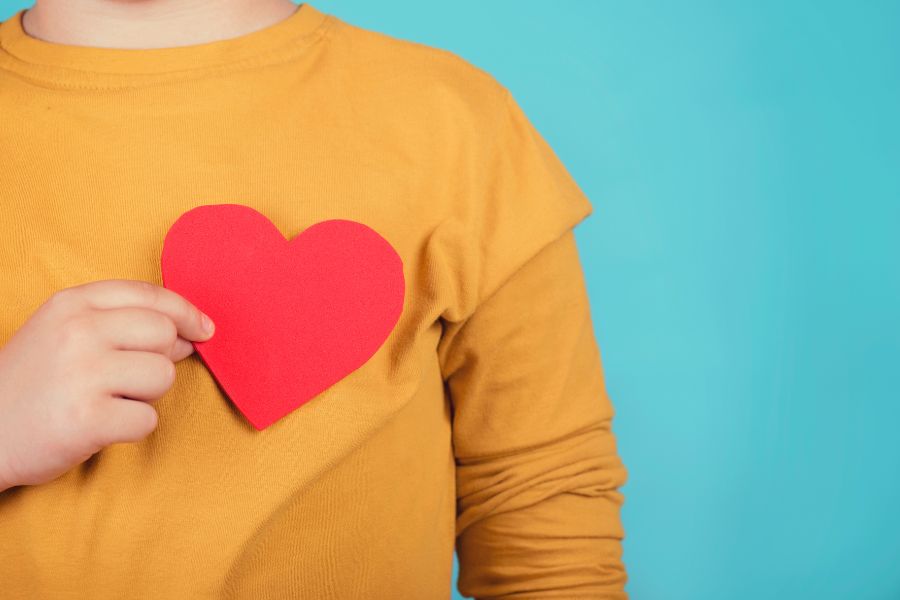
(86, 66)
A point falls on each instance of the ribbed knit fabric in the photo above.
(483, 419)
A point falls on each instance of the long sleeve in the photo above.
(538, 473)
(537, 467)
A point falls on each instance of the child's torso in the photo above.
(350, 495)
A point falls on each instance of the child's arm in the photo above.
(82, 372)
(538, 505)
(537, 467)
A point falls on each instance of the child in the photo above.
(483, 418)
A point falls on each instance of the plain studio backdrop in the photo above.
(744, 166)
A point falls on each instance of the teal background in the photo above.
(744, 165)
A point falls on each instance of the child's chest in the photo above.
(79, 209)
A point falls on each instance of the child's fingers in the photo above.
(136, 374)
(119, 293)
(125, 420)
(134, 328)
(183, 348)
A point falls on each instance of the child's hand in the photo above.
(82, 372)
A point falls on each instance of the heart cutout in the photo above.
(293, 317)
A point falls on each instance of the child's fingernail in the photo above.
(208, 325)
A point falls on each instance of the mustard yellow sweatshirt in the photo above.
(482, 422)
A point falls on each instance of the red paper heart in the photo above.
(292, 317)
